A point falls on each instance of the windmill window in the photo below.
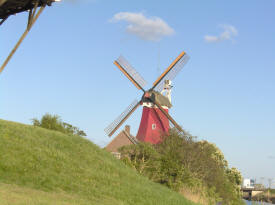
(154, 126)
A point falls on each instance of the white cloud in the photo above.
(151, 29)
(229, 32)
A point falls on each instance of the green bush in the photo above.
(181, 161)
(54, 122)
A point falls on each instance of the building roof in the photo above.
(122, 139)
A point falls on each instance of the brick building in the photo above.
(122, 139)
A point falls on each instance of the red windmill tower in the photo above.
(156, 101)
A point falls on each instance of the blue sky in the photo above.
(225, 94)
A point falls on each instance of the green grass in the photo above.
(64, 169)
(16, 195)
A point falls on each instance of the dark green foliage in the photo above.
(54, 122)
(143, 157)
(180, 161)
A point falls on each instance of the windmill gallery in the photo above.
(156, 102)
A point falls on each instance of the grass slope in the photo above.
(17, 195)
(56, 167)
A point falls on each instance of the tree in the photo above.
(180, 161)
(54, 122)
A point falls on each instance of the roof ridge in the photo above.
(131, 138)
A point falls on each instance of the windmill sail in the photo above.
(172, 71)
(121, 118)
(130, 72)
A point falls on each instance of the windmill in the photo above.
(155, 116)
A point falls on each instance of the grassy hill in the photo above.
(39, 166)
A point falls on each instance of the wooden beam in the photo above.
(21, 38)
(2, 2)
(128, 76)
(168, 116)
(168, 69)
